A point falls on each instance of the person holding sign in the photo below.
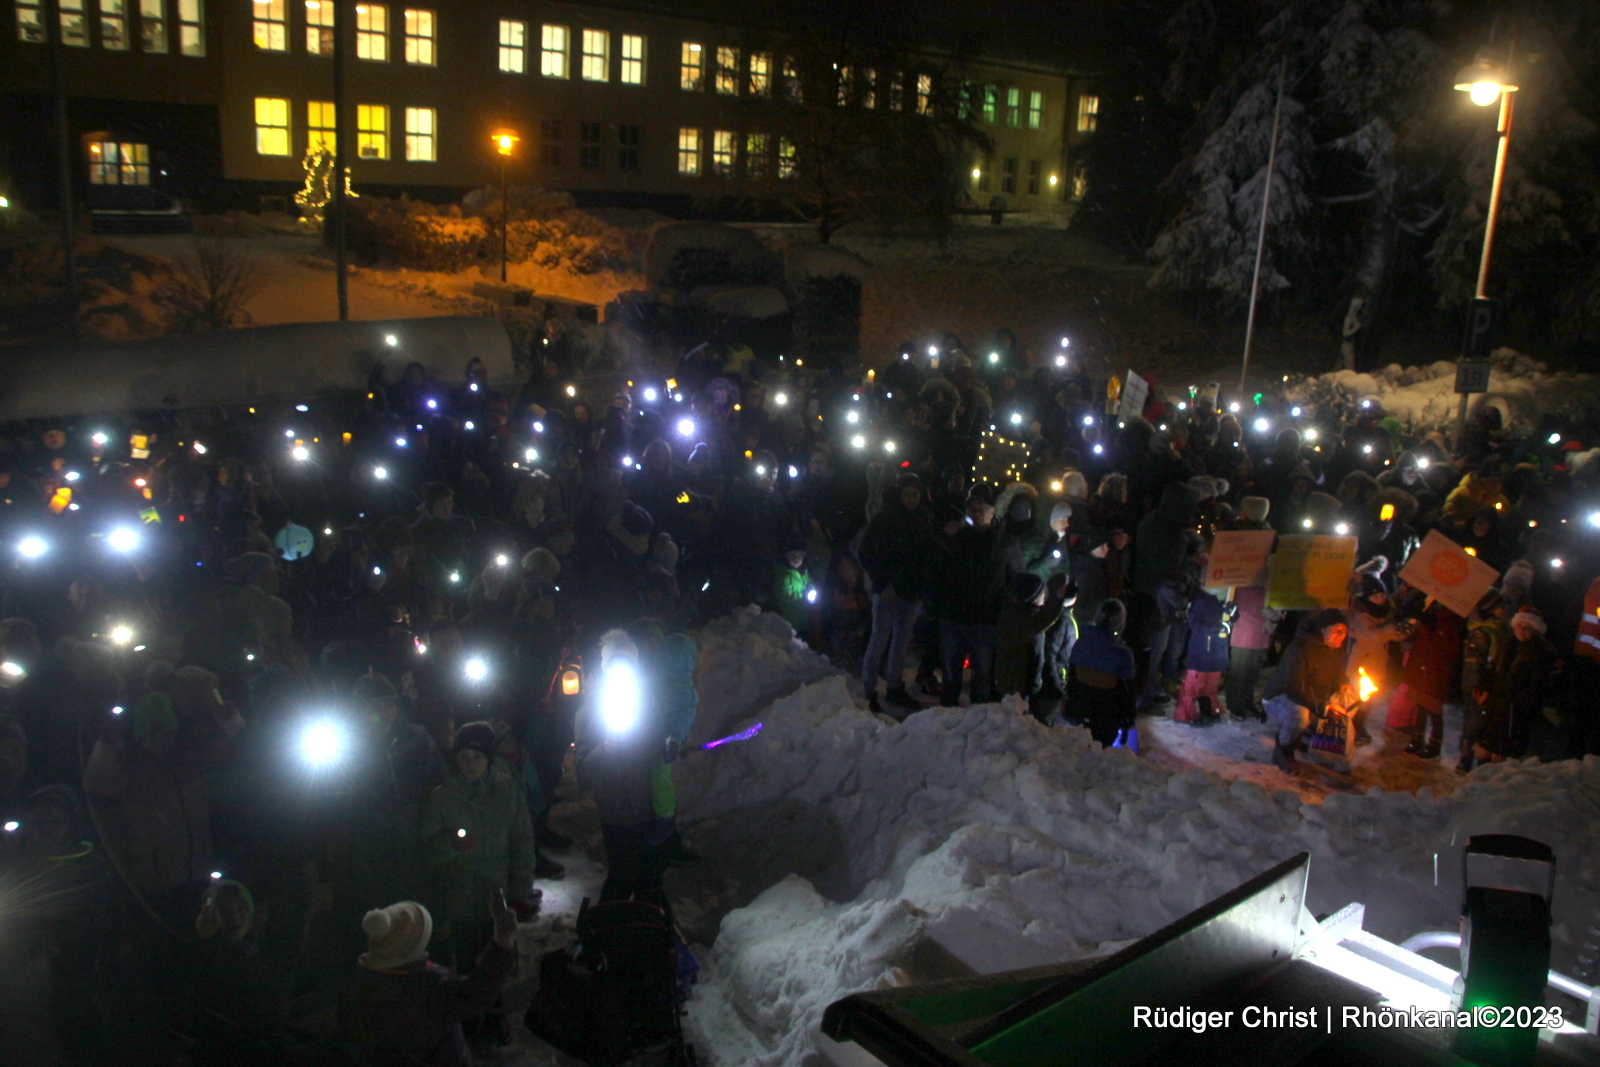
(1309, 683)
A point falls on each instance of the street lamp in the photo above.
(1485, 80)
(503, 143)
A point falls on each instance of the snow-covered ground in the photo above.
(975, 838)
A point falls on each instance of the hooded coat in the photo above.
(497, 850)
(896, 549)
(1165, 539)
(1310, 673)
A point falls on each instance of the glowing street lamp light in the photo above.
(504, 141)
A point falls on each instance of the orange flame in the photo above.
(1366, 686)
(1387, 513)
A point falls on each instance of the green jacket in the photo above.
(496, 852)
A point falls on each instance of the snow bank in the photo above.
(803, 262)
(1002, 844)
(1425, 397)
(741, 301)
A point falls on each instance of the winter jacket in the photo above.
(897, 548)
(412, 1017)
(1208, 634)
(1019, 625)
(1435, 654)
(1520, 694)
(789, 596)
(1165, 539)
(1098, 649)
(1253, 626)
(161, 836)
(1310, 673)
(619, 768)
(969, 576)
(1473, 493)
(676, 699)
(497, 850)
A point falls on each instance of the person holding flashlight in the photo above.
(479, 841)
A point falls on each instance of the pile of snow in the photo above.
(1424, 398)
(976, 835)
(747, 660)
(747, 258)
(741, 301)
(803, 262)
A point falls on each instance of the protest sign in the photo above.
(1310, 571)
(1443, 569)
(1239, 557)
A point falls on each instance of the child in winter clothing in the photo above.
(1205, 659)
(789, 587)
(1100, 675)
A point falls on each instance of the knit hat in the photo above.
(1060, 513)
(1254, 508)
(981, 493)
(1075, 485)
(1205, 485)
(478, 736)
(908, 480)
(1025, 586)
(1021, 508)
(1530, 616)
(396, 935)
(636, 520)
(1111, 615)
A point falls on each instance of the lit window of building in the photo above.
(118, 163)
(787, 167)
(894, 90)
(1080, 181)
(513, 46)
(30, 21)
(372, 131)
(847, 79)
(420, 144)
(727, 70)
(869, 88)
(553, 51)
(924, 94)
(688, 151)
(319, 27)
(596, 56)
(322, 126)
(113, 26)
(760, 74)
(691, 70)
(74, 27)
(589, 145)
(632, 59)
(419, 38)
(1088, 113)
(270, 27)
(757, 156)
(550, 142)
(1035, 109)
(722, 142)
(791, 81)
(991, 104)
(628, 148)
(1013, 106)
(191, 28)
(372, 34)
(272, 126)
(152, 26)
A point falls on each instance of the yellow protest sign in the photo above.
(1310, 571)
(1445, 571)
(1239, 557)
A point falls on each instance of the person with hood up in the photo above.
(1478, 488)
(406, 1011)
(1100, 675)
(1522, 690)
(1309, 683)
(1205, 658)
(1430, 670)
(1031, 609)
(1163, 547)
(1483, 658)
(236, 986)
(895, 551)
(479, 839)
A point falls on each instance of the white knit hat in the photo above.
(1530, 617)
(396, 935)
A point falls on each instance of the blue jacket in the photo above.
(1208, 634)
(1101, 650)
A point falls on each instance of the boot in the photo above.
(1464, 764)
(1283, 759)
(930, 685)
(679, 854)
(547, 869)
(1417, 745)
(551, 839)
(1431, 750)
(873, 705)
(898, 697)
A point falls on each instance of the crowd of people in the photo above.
(287, 692)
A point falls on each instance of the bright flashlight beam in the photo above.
(323, 744)
(123, 539)
(32, 547)
(476, 669)
(619, 697)
(685, 427)
(121, 635)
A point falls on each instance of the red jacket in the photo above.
(1435, 655)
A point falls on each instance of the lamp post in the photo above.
(503, 143)
(1485, 80)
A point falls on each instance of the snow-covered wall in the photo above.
(1010, 844)
(248, 366)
